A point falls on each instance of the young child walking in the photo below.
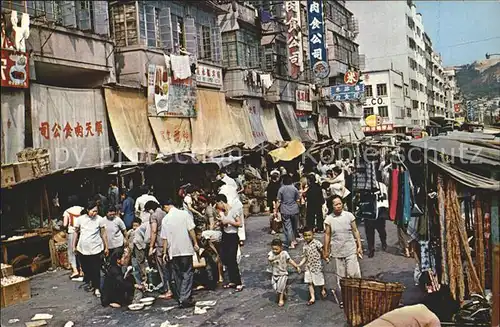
(311, 257)
(279, 261)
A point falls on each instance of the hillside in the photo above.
(480, 79)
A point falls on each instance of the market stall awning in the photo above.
(213, 128)
(239, 113)
(270, 125)
(289, 152)
(71, 124)
(292, 124)
(467, 178)
(173, 135)
(128, 116)
(347, 129)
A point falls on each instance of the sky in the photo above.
(452, 23)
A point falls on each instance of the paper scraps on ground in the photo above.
(36, 323)
(181, 317)
(69, 324)
(13, 321)
(167, 323)
(201, 310)
(42, 316)
(165, 309)
(206, 303)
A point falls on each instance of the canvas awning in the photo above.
(239, 113)
(128, 116)
(213, 128)
(289, 152)
(347, 129)
(270, 125)
(467, 178)
(72, 124)
(13, 113)
(173, 135)
(292, 125)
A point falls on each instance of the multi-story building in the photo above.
(385, 98)
(392, 37)
(439, 90)
(453, 96)
(63, 54)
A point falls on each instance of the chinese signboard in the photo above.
(303, 100)
(379, 128)
(168, 96)
(351, 77)
(456, 107)
(317, 49)
(15, 69)
(307, 123)
(173, 135)
(209, 75)
(72, 124)
(344, 92)
(295, 55)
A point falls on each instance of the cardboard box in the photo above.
(23, 171)
(15, 293)
(8, 176)
(6, 270)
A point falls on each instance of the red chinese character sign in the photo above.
(173, 135)
(351, 77)
(294, 38)
(15, 69)
(72, 124)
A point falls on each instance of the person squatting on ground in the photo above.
(91, 242)
(279, 261)
(118, 289)
(312, 253)
(343, 242)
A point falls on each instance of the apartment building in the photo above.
(385, 98)
(392, 36)
(63, 53)
(453, 98)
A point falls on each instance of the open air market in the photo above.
(250, 163)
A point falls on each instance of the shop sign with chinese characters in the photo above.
(344, 92)
(209, 75)
(294, 38)
(15, 69)
(378, 128)
(317, 49)
(303, 100)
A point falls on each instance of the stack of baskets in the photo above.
(365, 300)
(40, 159)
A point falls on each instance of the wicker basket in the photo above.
(365, 300)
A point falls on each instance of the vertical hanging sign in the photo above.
(317, 49)
(294, 42)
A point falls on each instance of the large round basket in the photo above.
(365, 300)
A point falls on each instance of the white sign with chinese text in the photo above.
(209, 75)
(303, 100)
(294, 38)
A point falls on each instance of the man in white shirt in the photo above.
(382, 213)
(179, 245)
(141, 202)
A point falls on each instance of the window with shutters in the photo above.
(49, 10)
(204, 36)
(124, 24)
(368, 111)
(382, 89)
(248, 49)
(152, 26)
(178, 33)
(383, 111)
(229, 50)
(83, 15)
(368, 90)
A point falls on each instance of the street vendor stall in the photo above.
(456, 234)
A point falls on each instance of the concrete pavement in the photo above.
(54, 293)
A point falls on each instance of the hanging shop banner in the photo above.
(317, 41)
(128, 118)
(239, 113)
(15, 69)
(12, 125)
(209, 75)
(307, 123)
(291, 123)
(293, 23)
(168, 96)
(173, 135)
(303, 99)
(270, 124)
(323, 122)
(256, 114)
(72, 124)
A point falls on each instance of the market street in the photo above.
(53, 293)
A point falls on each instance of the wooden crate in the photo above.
(8, 176)
(15, 293)
(23, 171)
(6, 270)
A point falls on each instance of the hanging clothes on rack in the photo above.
(406, 199)
(394, 191)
